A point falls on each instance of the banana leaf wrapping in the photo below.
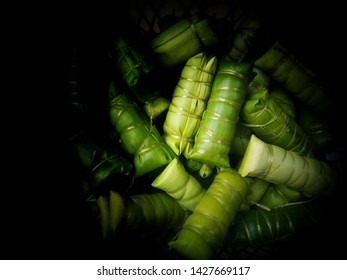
(217, 127)
(203, 231)
(295, 77)
(102, 161)
(258, 227)
(193, 165)
(284, 99)
(130, 60)
(319, 132)
(206, 170)
(279, 166)
(270, 122)
(280, 195)
(155, 210)
(240, 139)
(156, 106)
(118, 209)
(139, 137)
(244, 37)
(136, 66)
(188, 102)
(153, 107)
(180, 184)
(256, 190)
(262, 80)
(150, 211)
(103, 205)
(184, 39)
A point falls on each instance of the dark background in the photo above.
(41, 215)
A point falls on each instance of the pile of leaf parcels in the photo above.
(123, 80)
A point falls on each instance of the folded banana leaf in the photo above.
(155, 210)
(217, 127)
(139, 137)
(244, 36)
(295, 77)
(136, 66)
(102, 162)
(259, 227)
(256, 189)
(262, 80)
(270, 122)
(280, 166)
(180, 184)
(188, 102)
(291, 194)
(186, 38)
(130, 60)
(320, 133)
(149, 211)
(280, 195)
(284, 99)
(156, 107)
(240, 139)
(203, 231)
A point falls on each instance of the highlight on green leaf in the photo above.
(279, 166)
(180, 184)
(203, 232)
(217, 127)
(188, 102)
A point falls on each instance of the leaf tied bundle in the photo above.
(136, 67)
(204, 230)
(138, 136)
(101, 161)
(244, 37)
(295, 77)
(217, 127)
(257, 227)
(130, 60)
(188, 103)
(271, 123)
(279, 166)
(184, 39)
(156, 210)
(180, 184)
